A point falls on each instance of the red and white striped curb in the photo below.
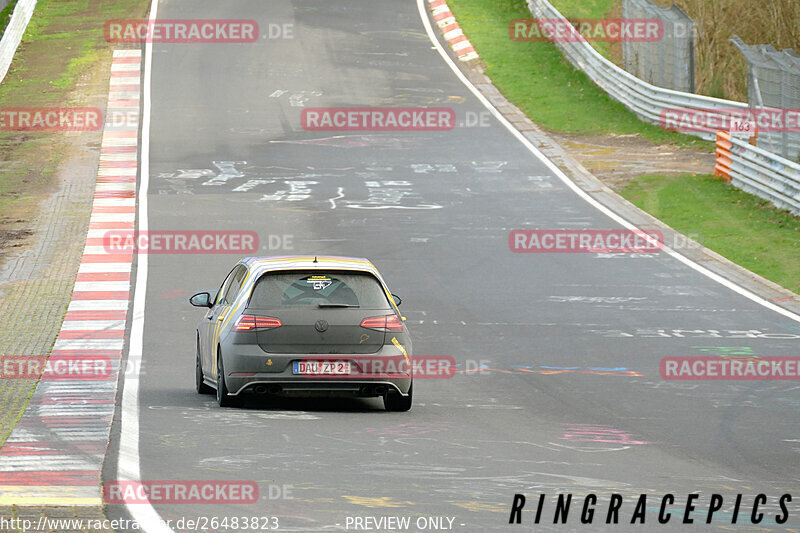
(452, 32)
(55, 453)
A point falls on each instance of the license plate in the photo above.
(317, 368)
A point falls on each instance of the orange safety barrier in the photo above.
(722, 169)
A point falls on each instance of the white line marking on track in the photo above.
(577, 190)
(340, 193)
(128, 464)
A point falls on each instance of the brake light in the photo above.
(251, 322)
(383, 323)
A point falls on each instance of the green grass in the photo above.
(71, 32)
(63, 51)
(577, 9)
(747, 230)
(5, 16)
(537, 78)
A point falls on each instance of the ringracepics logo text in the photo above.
(652, 509)
(378, 119)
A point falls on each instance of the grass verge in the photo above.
(537, 78)
(744, 228)
(56, 64)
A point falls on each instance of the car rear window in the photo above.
(309, 289)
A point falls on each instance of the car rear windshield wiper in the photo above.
(337, 305)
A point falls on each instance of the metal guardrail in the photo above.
(752, 169)
(645, 100)
(12, 36)
(758, 172)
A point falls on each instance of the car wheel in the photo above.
(394, 401)
(222, 390)
(200, 385)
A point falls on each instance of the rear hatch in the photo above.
(319, 312)
(300, 332)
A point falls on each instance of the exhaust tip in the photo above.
(275, 389)
(260, 389)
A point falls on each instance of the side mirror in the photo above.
(397, 300)
(201, 299)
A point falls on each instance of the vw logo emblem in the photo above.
(321, 325)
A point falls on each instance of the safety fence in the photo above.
(773, 81)
(669, 61)
(753, 169)
(648, 102)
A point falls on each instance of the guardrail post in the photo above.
(722, 169)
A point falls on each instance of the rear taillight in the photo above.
(251, 322)
(383, 323)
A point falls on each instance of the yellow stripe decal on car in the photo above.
(400, 346)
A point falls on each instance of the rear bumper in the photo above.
(308, 387)
(250, 369)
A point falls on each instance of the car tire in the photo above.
(199, 383)
(394, 401)
(222, 390)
